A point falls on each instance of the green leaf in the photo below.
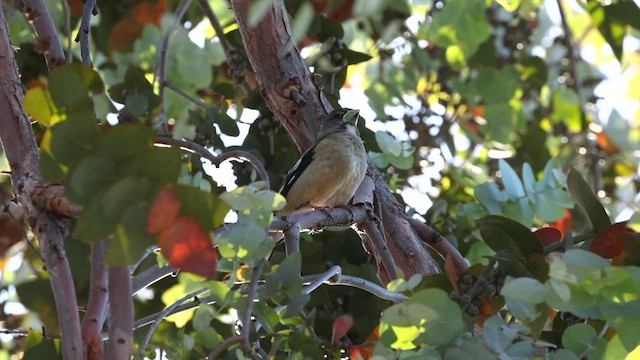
(39, 105)
(491, 197)
(457, 24)
(629, 333)
(566, 108)
(563, 354)
(429, 317)
(354, 57)
(93, 224)
(295, 305)
(227, 125)
(244, 242)
(509, 5)
(70, 86)
(46, 350)
(131, 238)
(379, 160)
(504, 120)
(525, 240)
(208, 337)
(203, 316)
(612, 20)
(522, 295)
(284, 280)
(587, 201)
(71, 140)
(123, 142)
(124, 193)
(204, 207)
(219, 291)
(93, 173)
(161, 165)
(578, 338)
(302, 21)
(498, 335)
(388, 144)
(512, 184)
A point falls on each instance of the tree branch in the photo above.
(120, 344)
(380, 246)
(433, 238)
(283, 75)
(215, 23)
(150, 276)
(243, 337)
(97, 304)
(83, 34)
(23, 155)
(37, 13)
(292, 239)
(217, 160)
(163, 314)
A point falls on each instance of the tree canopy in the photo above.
(144, 142)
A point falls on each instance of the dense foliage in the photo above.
(512, 127)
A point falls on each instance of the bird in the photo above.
(328, 174)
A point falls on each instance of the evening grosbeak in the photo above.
(328, 174)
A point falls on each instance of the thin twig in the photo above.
(224, 345)
(215, 23)
(162, 65)
(150, 319)
(243, 337)
(83, 34)
(322, 278)
(150, 276)
(217, 160)
(164, 313)
(197, 102)
(573, 58)
(67, 29)
(353, 281)
(341, 280)
(246, 320)
(369, 287)
(386, 257)
(15, 332)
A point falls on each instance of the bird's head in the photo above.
(341, 119)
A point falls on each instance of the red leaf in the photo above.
(357, 352)
(341, 326)
(451, 272)
(608, 243)
(164, 210)
(548, 235)
(188, 247)
(564, 224)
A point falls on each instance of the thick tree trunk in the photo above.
(22, 152)
(290, 92)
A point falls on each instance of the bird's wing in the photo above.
(297, 170)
